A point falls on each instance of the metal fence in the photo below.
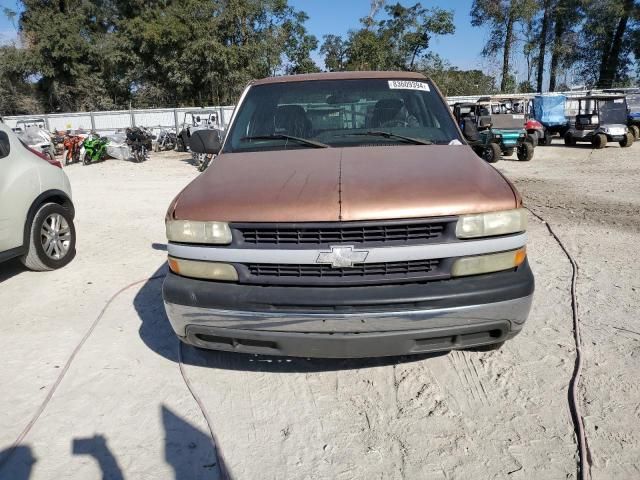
(110, 121)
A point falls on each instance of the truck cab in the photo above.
(345, 215)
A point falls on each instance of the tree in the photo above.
(567, 14)
(92, 54)
(397, 42)
(453, 82)
(612, 64)
(547, 6)
(502, 17)
(334, 50)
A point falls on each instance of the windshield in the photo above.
(613, 111)
(340, 113)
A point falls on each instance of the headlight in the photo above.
(492, 223)
(494, 262)
(207, 270)
(186, 231)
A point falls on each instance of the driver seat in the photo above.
(386, 110)
(292, 120)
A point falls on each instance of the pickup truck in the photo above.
(345, 215)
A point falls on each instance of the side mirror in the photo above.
(205, 141)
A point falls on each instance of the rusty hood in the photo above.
(356, 183)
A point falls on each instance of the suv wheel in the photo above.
(546, 139)
(52, 239)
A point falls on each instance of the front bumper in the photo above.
(345, 322)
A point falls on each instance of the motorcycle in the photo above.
(72, 146)
(139, 141)
(95, 149)
(166, 141)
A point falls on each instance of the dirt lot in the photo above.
(123, 410)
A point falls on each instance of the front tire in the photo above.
(546, 139)
(525, 152)
(52, 239)
(599, 141)
(492, 153)
(532, 139)
(627, 141)
(635, 130)
(569, 140)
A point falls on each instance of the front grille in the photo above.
(406, 271)
(354, 234)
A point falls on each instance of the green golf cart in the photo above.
(505, 128)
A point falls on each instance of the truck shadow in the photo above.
(156, 332)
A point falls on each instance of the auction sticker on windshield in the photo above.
(408, 85)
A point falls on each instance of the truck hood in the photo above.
(355, 183)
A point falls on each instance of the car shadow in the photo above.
(156, 332)
(11, 268)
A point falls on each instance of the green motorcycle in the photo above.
(95, 149)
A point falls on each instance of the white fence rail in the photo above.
(110, 121)
(159, 118)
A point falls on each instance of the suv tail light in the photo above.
(53, 162)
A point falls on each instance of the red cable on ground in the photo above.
(574, 405)
(75, 351)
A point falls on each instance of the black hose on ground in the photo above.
(574, 404)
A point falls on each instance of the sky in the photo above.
(462, 49)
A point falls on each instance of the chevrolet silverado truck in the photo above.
(345, 216)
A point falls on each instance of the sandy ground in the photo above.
(124, 412)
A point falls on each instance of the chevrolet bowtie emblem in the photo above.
(340, 257)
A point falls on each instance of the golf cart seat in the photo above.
(390, 110)
(292, 120)
(583, 122)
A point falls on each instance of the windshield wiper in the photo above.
(282, 136)
(380, 133)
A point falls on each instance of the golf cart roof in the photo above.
(600, 97)
(29, 120)
(465, 104)
(198, 112)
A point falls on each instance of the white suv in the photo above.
(36, 212)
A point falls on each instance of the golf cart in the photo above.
(524, 106)
(600, 119)
(633, 104)
(506, 129)
(549, 110)
(480, 140)
(192, 121)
